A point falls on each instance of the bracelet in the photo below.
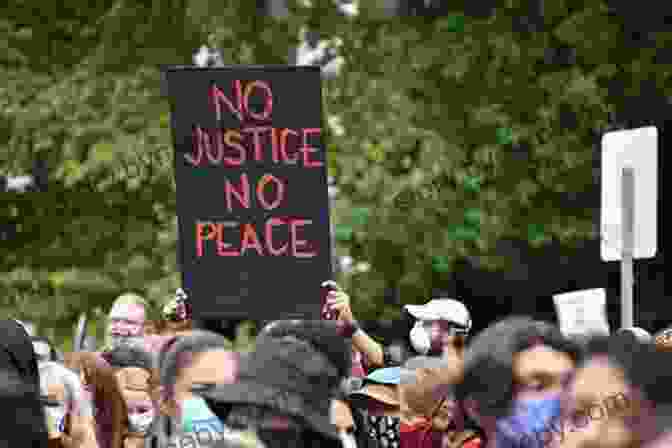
(348, 329)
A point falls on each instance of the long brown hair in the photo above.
(107, 397)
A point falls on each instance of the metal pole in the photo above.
(627, 229)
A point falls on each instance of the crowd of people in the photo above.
(321, 383)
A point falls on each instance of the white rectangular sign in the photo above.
(638, 149)
(582, 312)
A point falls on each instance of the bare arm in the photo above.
(362, 342)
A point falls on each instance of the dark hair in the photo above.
(488, 362)
(322, 335)
(129, 356)
(643, 366)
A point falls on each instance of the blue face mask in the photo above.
(532, 424)
(196, 417)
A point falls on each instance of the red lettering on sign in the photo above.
(221, 245)
(233, 139)
(218, 99)
(306, 149)
(269, 237)
(275, 147)
(268, 103)
(197, 143)
(256, 134)
(243, 194)
(250, 240)
(200, 226)
(220, 102)
(284, 135)
(297, 244)
(279, 194)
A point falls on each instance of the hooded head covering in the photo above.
(19, 389)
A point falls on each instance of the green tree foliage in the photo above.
(446, 136)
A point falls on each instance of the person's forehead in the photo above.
(127, 309)
(136, 398)
(133, 377)
(597, 379)
(540, 360)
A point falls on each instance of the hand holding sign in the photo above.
(338, 302)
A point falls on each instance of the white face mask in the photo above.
(347, 440)
(140, 423)
(420, 338)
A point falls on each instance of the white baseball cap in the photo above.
(442, 309)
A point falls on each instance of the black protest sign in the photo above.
(252, 201)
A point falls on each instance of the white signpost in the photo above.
(629, 204)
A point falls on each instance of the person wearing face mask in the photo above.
(431, 417)
(620, 396)
(439, 323)
(514, 373)
(189, 363)
(133, 368)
